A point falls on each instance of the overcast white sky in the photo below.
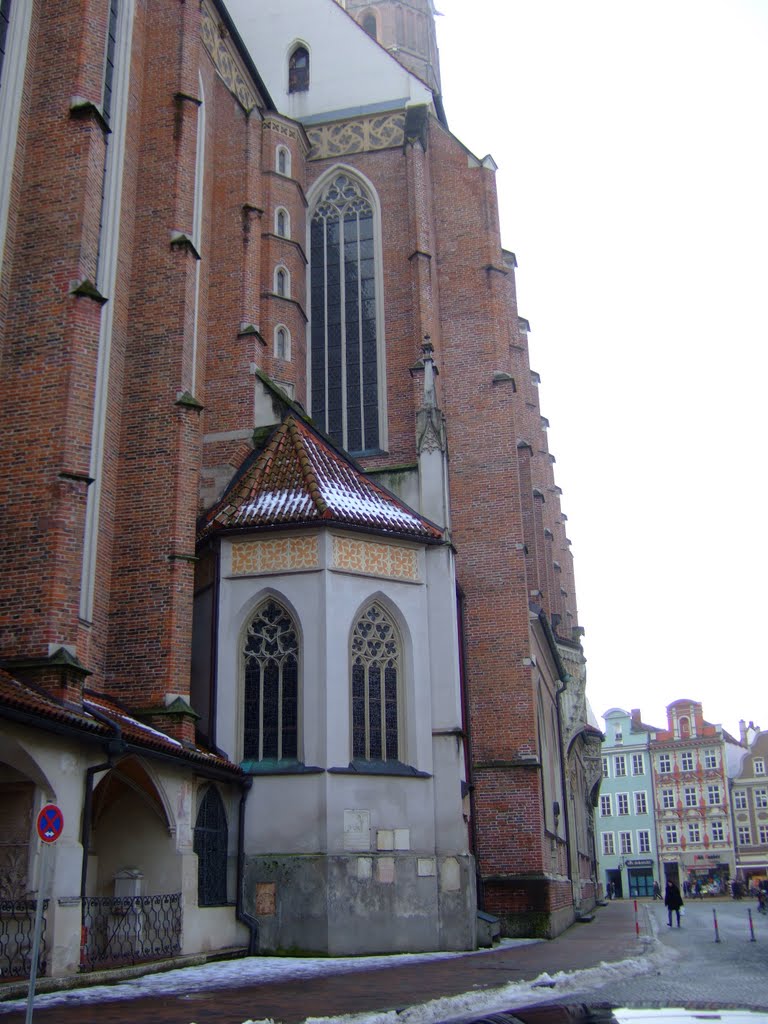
(633, 180)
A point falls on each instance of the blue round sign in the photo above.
(50, 823)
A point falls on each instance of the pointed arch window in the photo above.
(376, 678)
(271, 654)
(369, 24)
(282, 223)
(282, 283)
(282, 343)
(283, 160)
(298, 70)
(344, 328)
(210, 845)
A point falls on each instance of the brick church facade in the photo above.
(289, 629)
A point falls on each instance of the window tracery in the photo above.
(344, 331)
(271, 653)
(376, 661)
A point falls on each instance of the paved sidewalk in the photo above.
(610, 937)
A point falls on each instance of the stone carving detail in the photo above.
(286, 554)
(384, 131)
(225, 60)
(373, 559)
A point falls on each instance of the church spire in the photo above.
(407, 29)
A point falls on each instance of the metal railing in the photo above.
(130, 929)
(17, 925)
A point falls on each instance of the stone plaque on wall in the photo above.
(266, 899)
(357, 830)
(385, 870)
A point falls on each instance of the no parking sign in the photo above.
(50, 822)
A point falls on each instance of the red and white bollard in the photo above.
(637, 923)
(717, 930)
(751, 927)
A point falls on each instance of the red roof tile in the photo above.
(36, 704)
(299, 479)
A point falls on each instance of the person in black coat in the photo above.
(673, 901)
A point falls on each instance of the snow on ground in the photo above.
(261, 970)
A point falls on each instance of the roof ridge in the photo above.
(307, 470)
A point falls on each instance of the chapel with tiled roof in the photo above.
(288, 631)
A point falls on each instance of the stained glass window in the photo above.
(210, 845)
(271, 654)
(345, 379)
(375, 678)
(298, 70)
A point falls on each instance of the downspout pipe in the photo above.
(563, 781)
(114, 747)
(240, 912)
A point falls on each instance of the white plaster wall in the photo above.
(286, 814)
(443, 638)
(211, 928)
(340, 53)
(58, 770)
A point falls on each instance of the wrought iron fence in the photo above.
(129, 929)
(17, 926)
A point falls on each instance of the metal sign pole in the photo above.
(44, 855)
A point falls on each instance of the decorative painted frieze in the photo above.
(373, 559)
(382, 131)
(285, 554)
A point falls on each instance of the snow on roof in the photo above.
(299, 479)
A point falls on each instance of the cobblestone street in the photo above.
(590, 963)
(698, 970)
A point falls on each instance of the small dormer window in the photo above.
(298, 70)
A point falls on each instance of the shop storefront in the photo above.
(640, 876)
(709, 871)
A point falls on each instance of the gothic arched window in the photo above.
(271, 653)
(210, 845)
(369, 24)
(344, 338)
(282, 344)
(281, 282)
(283, 161)
(376, 668)
(298, 70)
(282, 223)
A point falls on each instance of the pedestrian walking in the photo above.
(672, 901)
(656, 891)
